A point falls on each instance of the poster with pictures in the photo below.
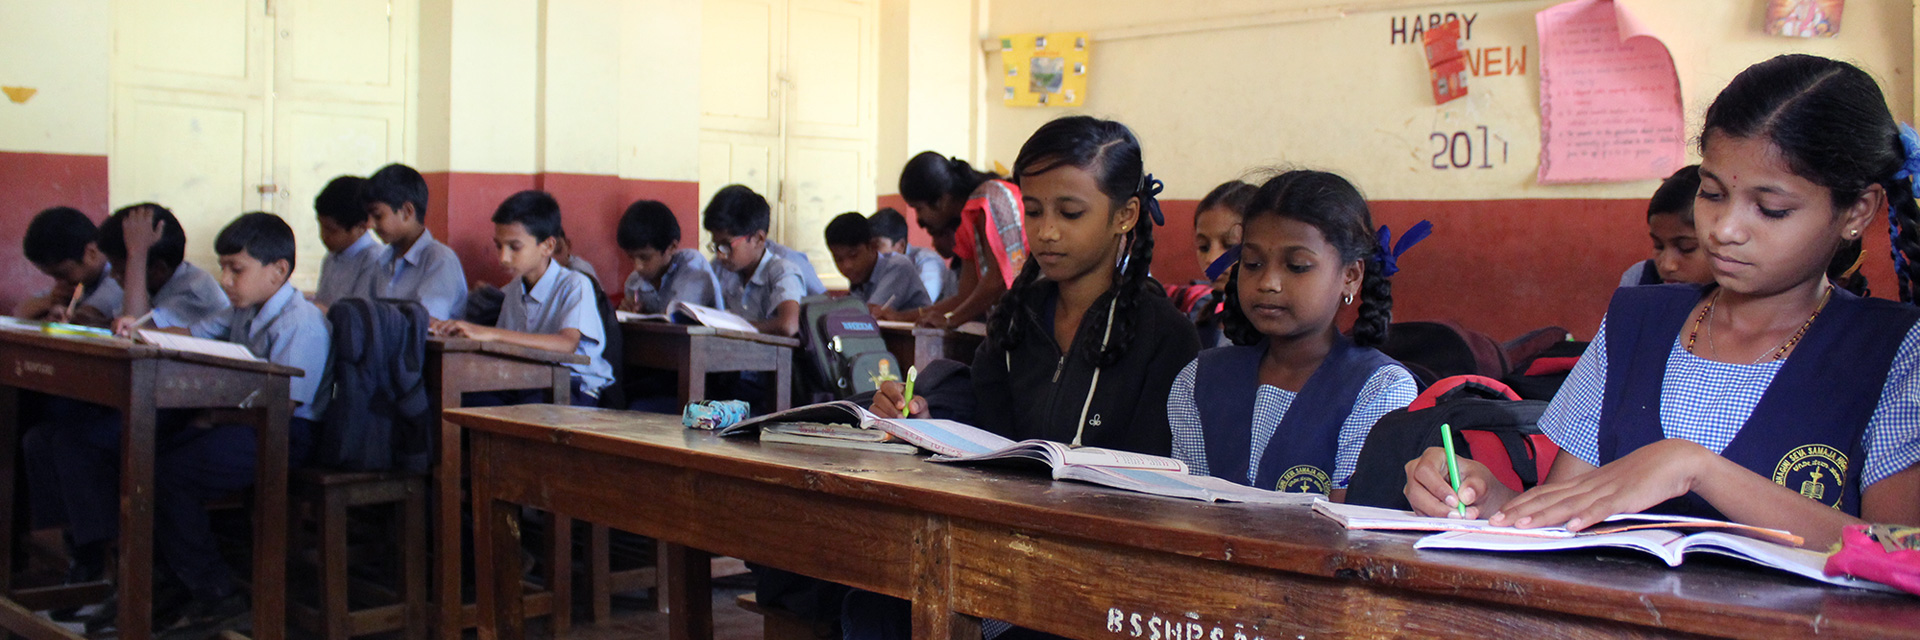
(1045, 69)
(1804, 18)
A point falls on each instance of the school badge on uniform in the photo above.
(1304, 478)
(1817, 471)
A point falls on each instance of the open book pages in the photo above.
(686, 313)
(777, 434)
(1055, 454)
(944, 437)
(1179, 484)
(976, 327)
(1669, 546)
(190, 344)
(1354, 516)
(629, 316)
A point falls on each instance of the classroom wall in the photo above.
(931, 89)
(1243, 85)
(53, 148)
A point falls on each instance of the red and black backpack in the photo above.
(1491, 425)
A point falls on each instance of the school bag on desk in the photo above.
(1491, 425)
(844, 350)
(377, 416)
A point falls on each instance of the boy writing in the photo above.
(414, 266)
(164, 287)
(662, 271)
(886, 281)
(353, 254)
(547, 306)
(890, 236)
(756, 283)
(60, 243)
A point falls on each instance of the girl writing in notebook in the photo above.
(1288, 408)
(1770, 397)
(1084, 346)
(978, 215)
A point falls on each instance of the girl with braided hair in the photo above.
(1289, 408)
(1084, 345)
(1771, 397)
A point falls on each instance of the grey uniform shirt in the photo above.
(774, 280)
(561, 299)
(428, 272)
(894, 284)
(350, 273)
(688, 279)
(187, 297)
(286, 330)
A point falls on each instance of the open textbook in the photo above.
(954, 442)
(1666, 537)
(689, 313)
(975, 327)
(203, 346)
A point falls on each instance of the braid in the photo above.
(1376, 307)
(1128, 287)
(1903, 218)
(1003, 323)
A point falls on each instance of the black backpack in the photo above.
(844, 349)
(1443, 349)
(1491, 425)
(613, 349)
(377, 416)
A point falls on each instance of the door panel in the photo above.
(319, 141)
(342, 49)
(198, 155)
(214, 46)
(741, 46)
(823, 181)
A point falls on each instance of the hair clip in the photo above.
(1150, 188)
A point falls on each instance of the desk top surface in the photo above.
(1705, 596)
(444, 344)
(671, 329)
(125, 349)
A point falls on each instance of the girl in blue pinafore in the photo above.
(1770, 397)
(1288, 408)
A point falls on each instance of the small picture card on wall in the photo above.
(1045, 69)
(1804, 18)
(1446, 62)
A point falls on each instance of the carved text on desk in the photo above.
(24, 367)
(1153, 626)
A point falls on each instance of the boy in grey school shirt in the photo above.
(60, 243)
(756, 283)
(176, 293)
(890, 236)
(353, 252)
(413, 266)
(887, 281)
(799, 258)
(663, 273)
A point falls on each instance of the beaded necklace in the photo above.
(1780, 353)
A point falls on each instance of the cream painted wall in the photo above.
(581, 87)
(1334, 93)
(61, 49)
(930, 73)
(659, 102)
(492, 87)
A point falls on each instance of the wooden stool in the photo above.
(324, 496)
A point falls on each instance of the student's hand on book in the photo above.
(123, 326)
(1430, 492)
(1634, 483)
(141, 231)
(886, 401)
(928, 318)
(881, 313)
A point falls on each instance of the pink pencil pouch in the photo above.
(1885, 554)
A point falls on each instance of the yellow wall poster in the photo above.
(1045, 69)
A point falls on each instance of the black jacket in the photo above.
(1043, 392)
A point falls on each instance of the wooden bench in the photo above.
(324, 498)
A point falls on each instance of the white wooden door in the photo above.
(190, 84)
(788, 99)
(339, 104)
(227, 106)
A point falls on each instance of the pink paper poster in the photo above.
(1609, 97)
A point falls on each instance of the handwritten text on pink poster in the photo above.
(1609, 97)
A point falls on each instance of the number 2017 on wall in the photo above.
(1457, 151)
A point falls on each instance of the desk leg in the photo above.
(447, 598)
(9, 454)
(559, 573)
(693, 373)
(270, 516)
(136, 503)
(496, 544)
(689, 599)
(933, 614)
(783, 380)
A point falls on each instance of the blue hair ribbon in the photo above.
(1909, 169)
(1389, 252)
(1222, 263)
(1150, 188)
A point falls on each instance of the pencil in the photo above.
(1453, 468)
(906, 397)
(79, 291)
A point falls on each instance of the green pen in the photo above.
(906, 398)
(1446, 440)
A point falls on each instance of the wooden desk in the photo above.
(457, 366)
(138, 380)
(920, 345)
(1086, 561)
(694, 351)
